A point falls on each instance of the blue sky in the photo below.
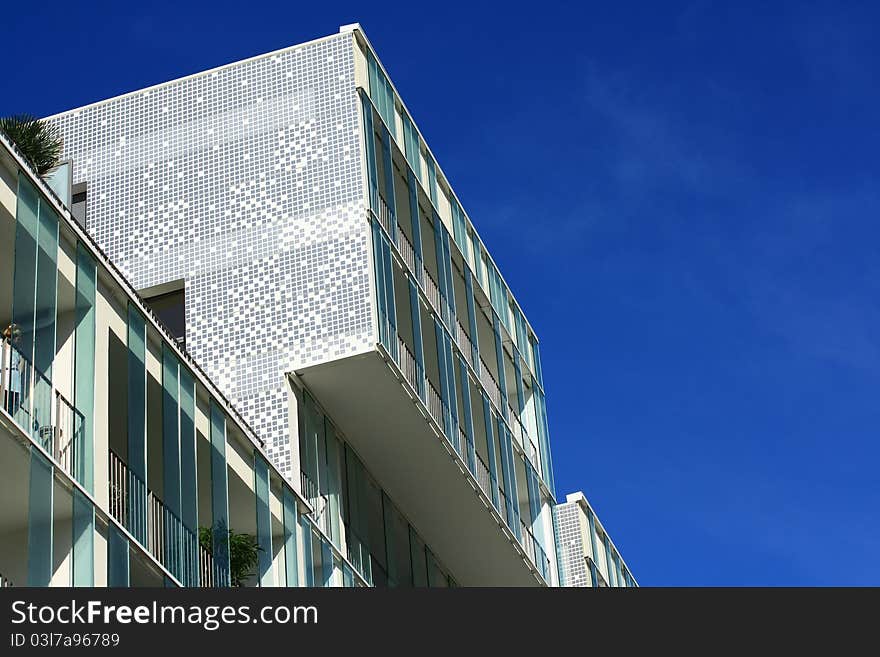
(683, 198)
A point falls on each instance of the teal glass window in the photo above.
(137, 425)
(308, 561)
(544, 439)
(117, 557)
(264, 521)
(370, 143)
(419, 353)
(173, 559)
(291, 520)
(388, 166)
(40, 520)
(415, 223)
(478, 256)
(508, 471)
(25, 267)
(499, 359)
(83, 540)
(432, 179)
(47, 294)
(385, 292)
(418, 559)
(488, 419)
(467, 418)
(327, 579)
(411, 145)
(84, 366)
(189, 498)
(333, 485)
(219, 497)
(459, 227)
(472, 318)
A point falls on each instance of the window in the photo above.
(170, 306)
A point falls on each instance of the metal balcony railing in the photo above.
(491, 385)
(386, 217)
(165, 536)
(408, 365)
(432, 292)
(464, 343)
(483, 478)
(407, 251)
(39, 409)
(320, 503)
(206, 568)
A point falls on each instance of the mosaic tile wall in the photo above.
(570, 546)
(247, 183)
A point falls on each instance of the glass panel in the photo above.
(264, 521)
(189, 499)
(317, 558)
(117, 557)
(472, 317)
(370, 143)
(308, 559)
(47, 288)
(327, 578)
(219, 496)
(416, 316)
(490, 446)
(415, 221)
(432, 179)
(84, 373)
(467, 418)
(40, 520)
(137, 426)
(291, 568)
(390, 305)
(390, 198)
(509, 472)
(23, 297)
(379, 268)
(436, 577)
(419, 563)
(334, 485)
(171, 460)
(83, 540)
(499, 359)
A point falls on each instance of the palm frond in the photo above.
(39, 142)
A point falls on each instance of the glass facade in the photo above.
(377, 536)
(514, 409)
(167, 478)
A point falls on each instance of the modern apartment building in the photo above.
(287, 220)
(587, 555)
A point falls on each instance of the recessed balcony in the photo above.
(399, 437)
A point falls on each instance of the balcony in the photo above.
(400, 439)
(40, 410)
(465, 344)
(162, 528)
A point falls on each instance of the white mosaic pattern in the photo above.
(246, 182)
(570, 546)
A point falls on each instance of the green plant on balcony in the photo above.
(40, 142)
(243, 553)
